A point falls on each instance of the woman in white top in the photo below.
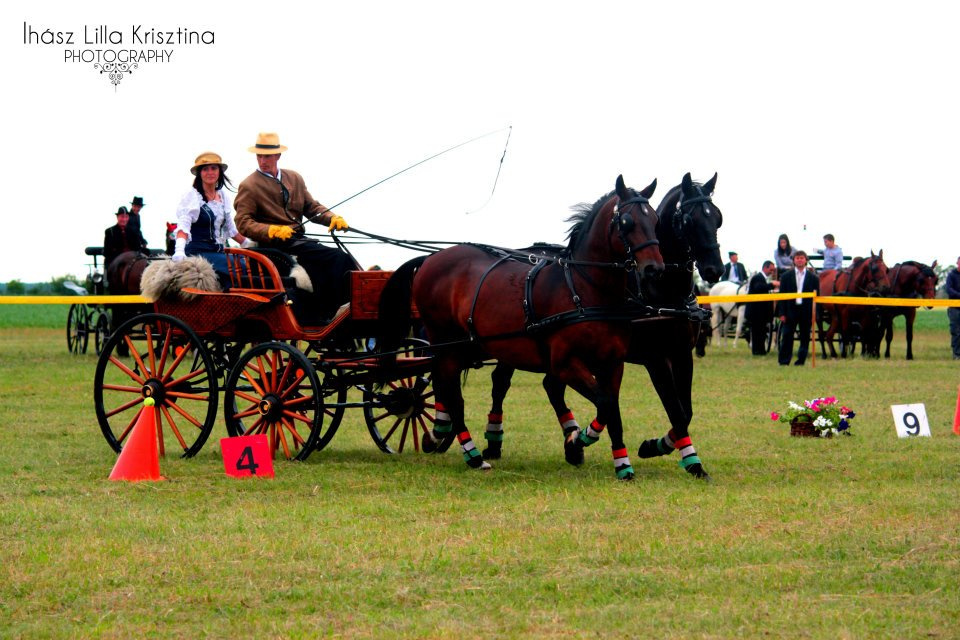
(205, 216)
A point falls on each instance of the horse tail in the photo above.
(394, 309)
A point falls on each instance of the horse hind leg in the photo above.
(450, 418)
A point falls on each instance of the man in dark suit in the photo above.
(759, 314)
(121, 237)
(733, 270)
(796, 313)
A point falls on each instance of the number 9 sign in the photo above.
(910, 420)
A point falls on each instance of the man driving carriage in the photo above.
(271, 205)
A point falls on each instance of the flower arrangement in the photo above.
(823, 417)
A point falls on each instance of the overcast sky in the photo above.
(819, 117)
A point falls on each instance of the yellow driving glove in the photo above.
(338, 223)
(280, 232)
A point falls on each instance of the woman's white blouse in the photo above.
(189, 210)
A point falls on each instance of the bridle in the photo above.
(683, 218)
(624, 223)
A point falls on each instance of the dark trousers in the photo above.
(327, 268)
(786, 337)
(954, 314)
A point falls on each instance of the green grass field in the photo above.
(795, 538)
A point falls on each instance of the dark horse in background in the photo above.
(907, 280)
(687, 230)
(123, 278)
(564, 316)
(866, 277)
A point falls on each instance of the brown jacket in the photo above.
(259, 204)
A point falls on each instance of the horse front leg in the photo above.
(672, 377)
(572, 444)
(910, 316)
(501, 376)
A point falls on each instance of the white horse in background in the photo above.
(725, 312)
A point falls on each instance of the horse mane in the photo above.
(583, 217)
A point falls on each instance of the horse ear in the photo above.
(880, 255)
(687, 183)
(711, 184)
(934, 265)
(646, 193)
(621, 188)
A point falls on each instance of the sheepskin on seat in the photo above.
(165, 279)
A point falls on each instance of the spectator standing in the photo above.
(832, 254)
(733, 270)
(783, 256)
(953, 292)
(796, 314)
(760, 314)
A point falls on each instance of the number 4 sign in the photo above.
(246, 456)
(910, 420)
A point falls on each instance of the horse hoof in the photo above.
(493, 452)
(649, 449)
(477, 462)
(485, 466)
(573, 452)
(697, 471)
(627, 477)
(428, 444)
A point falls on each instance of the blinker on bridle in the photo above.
(624, 222)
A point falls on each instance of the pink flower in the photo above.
(831, 399)
(844, 410)
(774, 416)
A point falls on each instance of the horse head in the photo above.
(925, 283)
(876, 278)
(620, 228)
(634, 223)
(696, 220)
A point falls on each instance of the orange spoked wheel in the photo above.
(160, 357)
(401, 412)
(273, 389)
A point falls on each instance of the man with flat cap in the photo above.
(271, 205)
(733, 270)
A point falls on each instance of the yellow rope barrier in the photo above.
(73, 300)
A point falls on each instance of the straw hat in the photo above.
(267, 144)
(205, 158)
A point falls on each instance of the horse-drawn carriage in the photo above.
(279, 376)
(84, 320)
(575, 320)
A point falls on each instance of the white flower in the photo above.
(795, 406)
(822, 421)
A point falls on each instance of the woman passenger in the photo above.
(205, 216)
(783, 256)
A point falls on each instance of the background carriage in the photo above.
(279, 376)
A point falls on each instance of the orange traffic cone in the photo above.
(956, 415)
(139, 459)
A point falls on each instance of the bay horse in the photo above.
(123, 278)
(687, 230)
(564, 316)
(865, 277)
(909, 279)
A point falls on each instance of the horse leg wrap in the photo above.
(658, 447)
(591, 434)
(442, 428)
(621, 464)
(443, 424)
(689, 460)
(471, 456)
(572, 447)
(494, 436)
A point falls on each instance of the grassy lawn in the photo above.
(796, 538)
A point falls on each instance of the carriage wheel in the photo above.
(273, 389)
(160, 357)
(77, 330)
(101, 330)
(401, 413)
(769, 338)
